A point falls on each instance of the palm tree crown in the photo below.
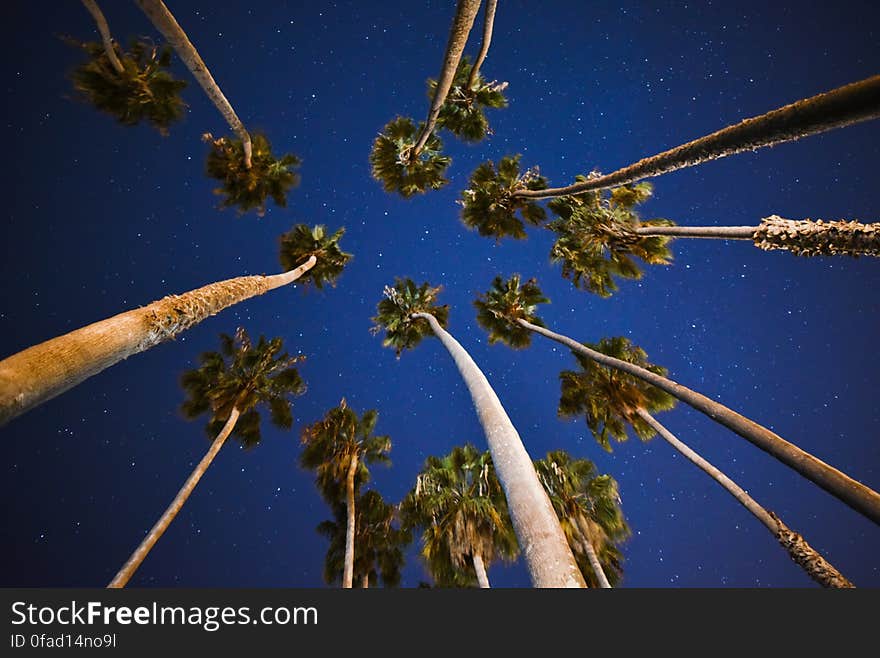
(301, 242)
(394, 314)
(462, 111)
(393, 164)
(503, 304)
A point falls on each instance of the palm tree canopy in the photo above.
(301, 242)
(503, 304)
(596, 238)
(249, 188)
(392, 163)
(394, 314)
(143, 91)
(608, 398)
(488, 205)
(244, 376)
(462, 111)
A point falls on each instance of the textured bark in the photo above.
(104, 31)
(716, 232)
(593, 558)
(141, 552)
(548, 556)
(465, 13)
(165, 22)
(804, 555)
(805, 237)
(852, 103)
(488, 24)
(348, 568)
(480, 570)
(855, 494)
(43, 371)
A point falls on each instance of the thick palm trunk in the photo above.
(798, 549)
(480, 570)
(43, 371)
(165, 22)
(104, 31)
(852, 103)
(593, 558)
(548, 556)
(850, 491)
(465, 13)
(348, 568)
(128, 569)
(488, 24)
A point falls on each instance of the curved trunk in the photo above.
(348, 569)
(852, 103)
(548, 556)
(165, 22)
(480, 569)
(43, 371)
(817, 567)
(465, 13)
(590, 550)
(128, 569)
(104, 30)
(850, 491)
(488, 24)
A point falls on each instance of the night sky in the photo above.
(101, 218)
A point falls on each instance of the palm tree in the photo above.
(43, 371)
(612, 401)
(462, 113)
(407, 314)
(337, 448)
(502, 312)
(588, 505)
(229, 385)
(459, 505)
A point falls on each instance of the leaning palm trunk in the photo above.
(817, 567)
(465, 13)
(488, 24)
(348, 568)
(43, 371)
(104, 31)
(165, 22)
(141, 552)
(480, 570)
(850, 491)
(548, 556)
(844, 106)
(590, 550)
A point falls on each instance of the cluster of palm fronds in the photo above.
(399, 167)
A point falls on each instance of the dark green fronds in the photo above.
(301, 242)
(394, 314)
(249, 189)
(488, 205)
(462, 112)
(503, 304)
(393, 164)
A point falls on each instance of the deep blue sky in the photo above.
(101, 218)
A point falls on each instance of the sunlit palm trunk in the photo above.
(852, 103)
(593, 558)
(348, 568)
(43, 371)
(365, 581)
(800, 551)
(165, 22)
(480, 570)
(104, 31)
(128, 569)
(488, 24)
(548, 556)
(850, 491)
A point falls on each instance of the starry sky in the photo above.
(101, 218)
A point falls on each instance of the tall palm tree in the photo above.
(229, 385)
(459, 505)
(508, 314)
(588, 505)
(43, 371)
(407, 314)
(612, 401)
(338, 448)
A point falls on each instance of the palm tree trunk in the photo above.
(165, 22)
(465, 13)
(590, 550)
(43, 371)
(365, 581)
(104, 30)
(480, 569)
(714, 232)
(348, 569)
(488, 24)
(798, 549)
(548, 556)
(853, 493)
(844, 106)
(128, 569)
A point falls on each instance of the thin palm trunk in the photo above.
(141, 552)
(844, 106)
(104, 31)
(365, 581)
(488, 24)
(165, 22)
(590, 550)
(348, 569)
(548, 556)
(712, 232)
(480, 569)
(43, 371)
(850, 491)
(817, 567)
(465, 13)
